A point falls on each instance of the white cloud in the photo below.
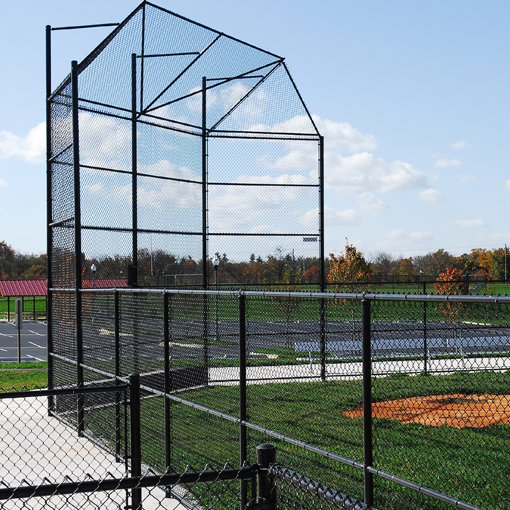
(3, 183)
(251, 109)
(104, 141)
(294, 160)
(337, 135)
(370, 204)
(447, 163)
(31, 148)
(341, 135)
(462, 144)
(233, 94)
(400, 235)
(431, 195)
(332, 217)
(155, 193)
(340, 216)
(466, 223)
(194, 103)
(507, 185)
(465, 178)
(362, 172)
(235, 207)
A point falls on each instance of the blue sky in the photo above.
(412, 97)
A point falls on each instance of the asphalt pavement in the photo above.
(33, 341)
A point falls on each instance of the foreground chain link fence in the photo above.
(391, 400)
(48, 463)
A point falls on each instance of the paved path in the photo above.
(35, 447)
(229, 376)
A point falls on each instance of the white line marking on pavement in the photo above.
(5, 350)
(35, 333)
(40, 346)
(9, 336)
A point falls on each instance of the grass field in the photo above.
(32, 376)
(471, 464)
(468, 463)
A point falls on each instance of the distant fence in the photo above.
(334, 380)
(34, 307)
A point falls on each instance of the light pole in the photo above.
(93, 269)
(216, 263)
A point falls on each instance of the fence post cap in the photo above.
(266, 446)
(266, 454)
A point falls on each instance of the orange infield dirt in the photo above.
(455, 410)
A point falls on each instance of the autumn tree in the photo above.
(451, 282)
(405, 267)
(350, 269)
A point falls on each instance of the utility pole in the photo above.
(505, 261)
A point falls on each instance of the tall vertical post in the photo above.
(134, 169)
(136, 439)
(134, 202)
(425, 343)
(116, 305)
(367, 401)
(205, 265)
(77, 244)
(168, 384)
(19, 324)
(322, 262)
(49, 218)
(242, 392)
(204, 184)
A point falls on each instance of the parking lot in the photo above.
(33, 341)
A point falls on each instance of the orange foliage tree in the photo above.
(451, 282)
(350, 271)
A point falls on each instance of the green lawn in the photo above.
(470, 464)
(28, 379)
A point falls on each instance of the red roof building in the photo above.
(19, 288)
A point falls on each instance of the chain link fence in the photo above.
(46, 462)
(389, 399)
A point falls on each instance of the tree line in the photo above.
(15, 265)
(279, 267)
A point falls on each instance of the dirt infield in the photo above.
(455, 410)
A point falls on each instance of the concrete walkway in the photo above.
(37, 449)
(229, 376)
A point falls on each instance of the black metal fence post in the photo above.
(49, 217)
(168, 386)
(243, 454)
(136, 440)
(322, 306)
(266, 487)
(322, 261)
(77, 245)
(116, 299)
(425, 344)
(367, 401)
